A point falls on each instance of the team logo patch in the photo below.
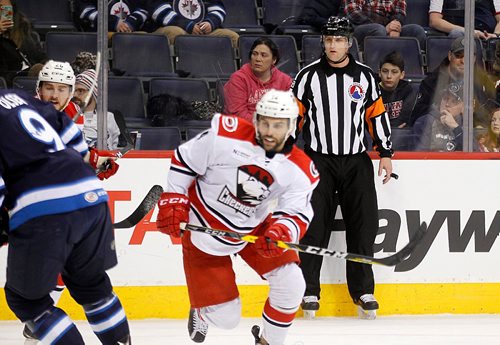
(90, 197)
(120, 10)
(229, 123)
(252, 189)
(192, 10)
(253, 184)
(356, 92)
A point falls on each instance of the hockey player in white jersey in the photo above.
(228, 177)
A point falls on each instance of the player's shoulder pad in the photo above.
(305, 164)
(231, 126)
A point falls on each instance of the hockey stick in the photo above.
(122, 126)
(142, 210)
(106, 165)
(391, 260)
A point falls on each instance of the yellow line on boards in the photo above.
(144, 302)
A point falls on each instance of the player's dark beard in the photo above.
(77, 101)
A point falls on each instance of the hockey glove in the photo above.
(265, 245)
(105, 167)
(4, 226)
(174, 209)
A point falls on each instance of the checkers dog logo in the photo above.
(356, 92)
(253, 184)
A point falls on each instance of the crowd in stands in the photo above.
(236, 87)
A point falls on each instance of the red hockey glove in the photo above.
(276, 232)
(110, 168)
(174, 209)
(103, 169)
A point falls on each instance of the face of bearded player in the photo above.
(272, 132)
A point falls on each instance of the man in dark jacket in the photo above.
(450, 70)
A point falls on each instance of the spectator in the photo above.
(381, 18)
(341, 102)
(84, 61)
(441, 129)
(490, 142)
(84, 82)
(247, 85)
(448, 16)
(317, 12)
(206, 18)
(450, 70)
(20, 47)
(397, 93)
(123, 15)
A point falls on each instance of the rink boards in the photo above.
(455, 270)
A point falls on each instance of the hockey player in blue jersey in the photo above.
(59, 222)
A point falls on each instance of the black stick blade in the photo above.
(142, 210)
(404, 253)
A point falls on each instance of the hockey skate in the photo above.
(367, 307)
(309, 306)
(28, 334)
(197, 327)
(256, 334)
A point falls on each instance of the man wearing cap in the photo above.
(450, 70)
(83, 83)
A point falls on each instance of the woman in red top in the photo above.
(247, 85)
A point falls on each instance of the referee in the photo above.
(340, 103)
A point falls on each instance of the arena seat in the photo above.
(49, 15)
(64, 46)
(126, 95)
(158, 138)
(242, 16)
(137, 54)
(189, 89)
(28, 84)
(204, 56)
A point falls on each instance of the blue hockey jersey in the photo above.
(41, 167)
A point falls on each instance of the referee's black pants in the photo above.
(353, 178)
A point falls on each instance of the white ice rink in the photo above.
(385, 330)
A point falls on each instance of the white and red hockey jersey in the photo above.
(233, 185)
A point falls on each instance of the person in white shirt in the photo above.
(83, 84)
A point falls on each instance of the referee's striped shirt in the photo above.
(338, 104)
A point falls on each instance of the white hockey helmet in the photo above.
(278, 104)
(57, 72)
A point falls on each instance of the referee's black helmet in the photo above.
(337, 26)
